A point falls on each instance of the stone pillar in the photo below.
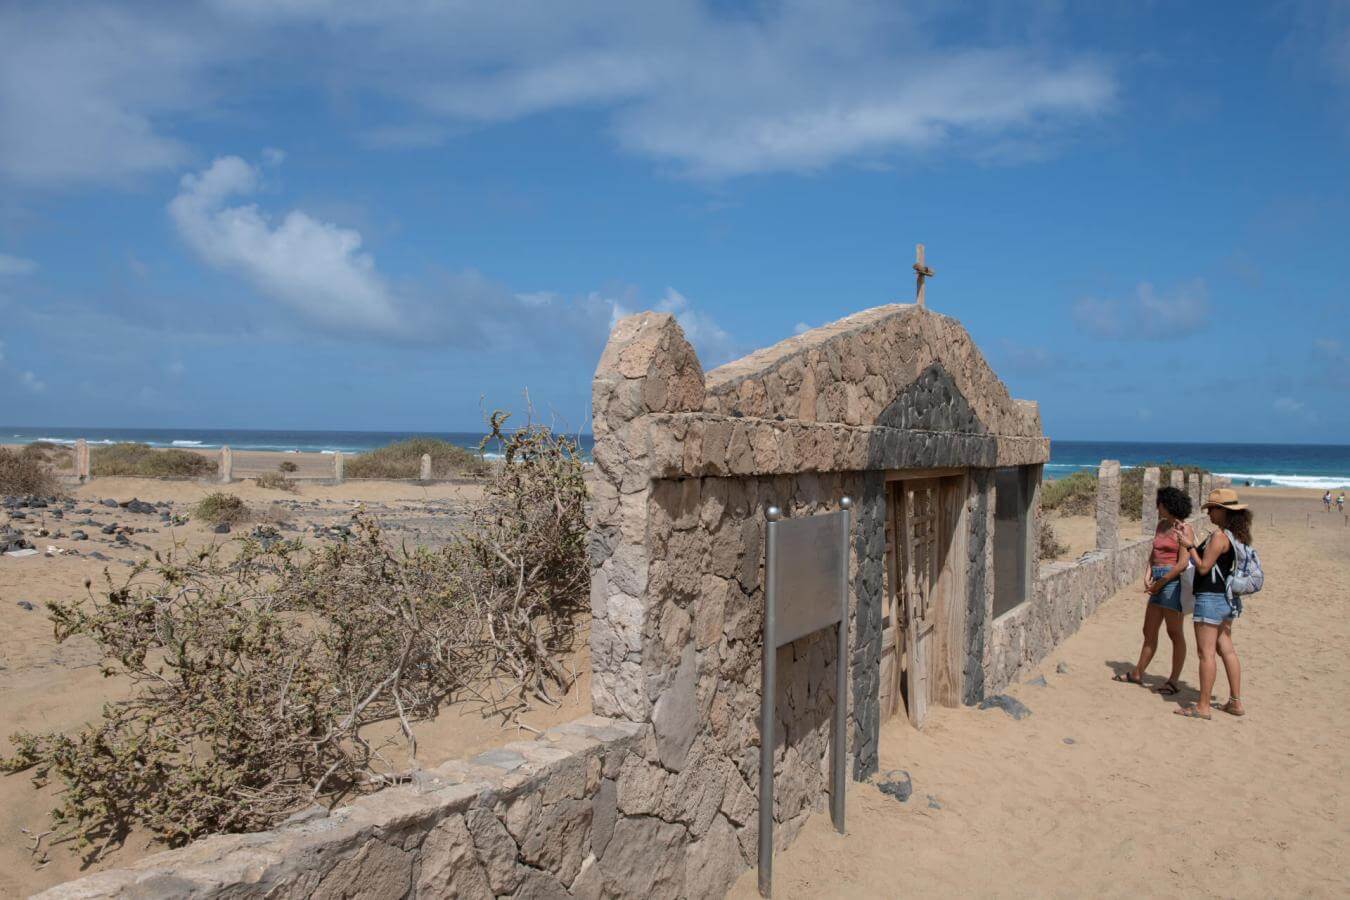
(1148, 505)
(1179, 480)
(1206, 484)
(1108, 505)
(425, 474)
(1193, 482)
(647, 367)
(82, 460)
(337, 467)
(226, 466)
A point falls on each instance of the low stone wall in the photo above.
(1066, 594)
(584, 811)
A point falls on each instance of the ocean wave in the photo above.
(186, 443)
(1322, 482)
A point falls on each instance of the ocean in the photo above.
(1319, 466)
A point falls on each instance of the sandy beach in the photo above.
(1101, 791)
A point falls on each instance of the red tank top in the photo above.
(1165, 548)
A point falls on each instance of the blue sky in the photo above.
(384, 215)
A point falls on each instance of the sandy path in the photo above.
(1142, 802)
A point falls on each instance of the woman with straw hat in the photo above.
(1215, 610)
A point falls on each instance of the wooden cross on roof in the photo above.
(921, 272)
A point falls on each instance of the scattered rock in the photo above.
(108, 501)
(897, 784)
(222, 528)
(933, 803)
(1062, 668)
(1070, 741)
(1010, 705)
(78, 536)
(109, 529)
(1038, 681)
(24, 604)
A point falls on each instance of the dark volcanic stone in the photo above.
(222, 528)
(108, 501)
(25, 605)
(78, 536)
(897, 784)
(1009, 705)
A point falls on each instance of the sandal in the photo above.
(1190, 712)
(1167, 688)
(1128, 677)
(1234, 707)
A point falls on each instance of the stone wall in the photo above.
(585, 811)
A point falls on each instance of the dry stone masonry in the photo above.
(1148, 507)
(1108, 505)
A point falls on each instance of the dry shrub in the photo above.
(256, 680)
(287, 466)
(22, 472)
(275, 481)
(221, 509)
(57, 456)
(1049, 543)
(144, 461)
(404, 460)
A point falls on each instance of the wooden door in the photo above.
(917, 531)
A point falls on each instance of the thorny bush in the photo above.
(255, 679)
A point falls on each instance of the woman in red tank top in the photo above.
(1162, 584)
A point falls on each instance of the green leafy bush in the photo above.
(404, 460)
(144, 461)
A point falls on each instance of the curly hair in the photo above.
(1239, 521)
(1175, 501)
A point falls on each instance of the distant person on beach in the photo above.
(1162, 585)
(1326, 501)
(1214, 613)
(1340, 502)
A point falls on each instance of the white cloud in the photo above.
(32, 382)
(319, 271)
(16, 265)
(316, 268)
(1148, 315)
(97, 93)
(1294, 409)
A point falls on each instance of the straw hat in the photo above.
(1225, 498)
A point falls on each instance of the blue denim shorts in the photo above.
(1169, 596)
(1215, 609)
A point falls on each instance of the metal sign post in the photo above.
(805, 590)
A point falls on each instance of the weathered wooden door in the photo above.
(916, 529)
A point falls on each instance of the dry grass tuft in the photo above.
(222, 509)
(404, 460)
(144, 461)
(26, 472)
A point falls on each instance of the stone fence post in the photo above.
(1206, 485)
(1108, 505)
(1179, 480)
(226, 466)
(425, 474)
(1148, 505)
(1193, 483)
(337, 467)
(82, 460)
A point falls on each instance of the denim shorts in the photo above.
(1215, 609)
(1169, 595)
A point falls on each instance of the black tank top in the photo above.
(1216, 581)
